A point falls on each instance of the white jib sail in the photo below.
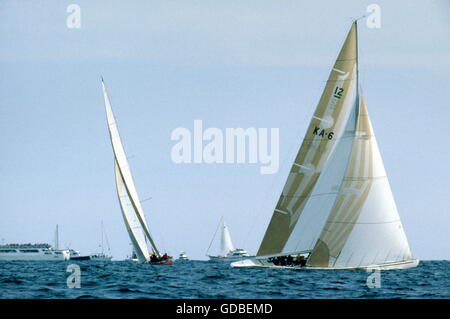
(128, 197)
(226, 244)
(364, 227)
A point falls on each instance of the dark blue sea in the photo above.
(204, 279)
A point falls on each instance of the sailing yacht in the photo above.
(132, 212)
(228, 252)
(336, 210)
(102, 256)
(75, 255)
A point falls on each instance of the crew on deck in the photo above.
(288, 260)
(155, 259)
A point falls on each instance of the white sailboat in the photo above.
(228, 252)
(57, 249)
(336, 208)
(102, 256)
(132, 212)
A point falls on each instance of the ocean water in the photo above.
(204, 279)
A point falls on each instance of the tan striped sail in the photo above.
(326, 129)
(363, 227)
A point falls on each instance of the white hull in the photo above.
(262, 263)
(38, 256)
(222, 258)
(101, 258)
(183, 256)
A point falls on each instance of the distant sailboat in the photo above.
(228, 252)
(75, 255)
(132, 212)
(102, 256)
(336, 208)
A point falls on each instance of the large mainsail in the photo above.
(129, 201)
(309, 191)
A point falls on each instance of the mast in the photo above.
(357, 56)
(101, 231)
(107, 241)
(57, 238)
(214, 236)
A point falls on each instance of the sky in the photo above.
(231, 64)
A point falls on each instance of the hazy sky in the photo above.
(231, 64)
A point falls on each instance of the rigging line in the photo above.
(357, 56)
(361, 17)
(163, 243)
(220, 222)
(145, 199)
(293, 148)
(284, 162)
(101, 232)
(106, 238)
(158, 233)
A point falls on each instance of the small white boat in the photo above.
(232, 255)
(228, 252)
(183, 256)
(95, 257)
